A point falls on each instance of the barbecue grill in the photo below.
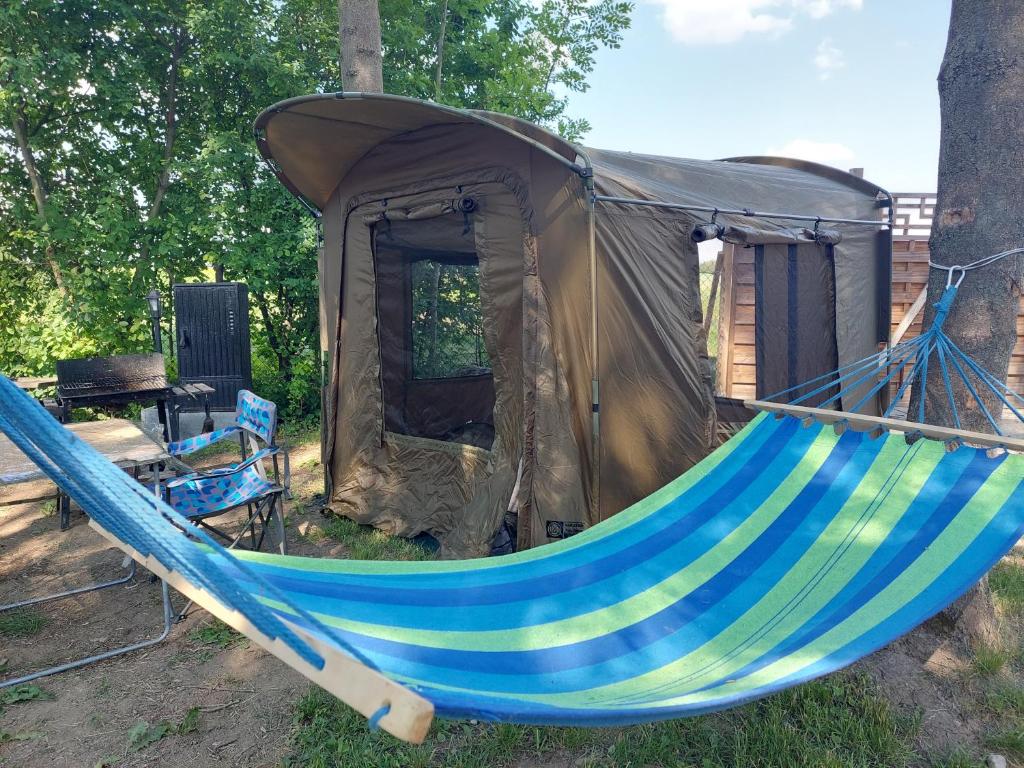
(122, 379)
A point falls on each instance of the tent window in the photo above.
(435, 373)
(446, 318)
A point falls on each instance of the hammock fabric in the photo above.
(788, 553)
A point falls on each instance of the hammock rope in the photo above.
(862, 380)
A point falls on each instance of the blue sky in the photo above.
(845, 82)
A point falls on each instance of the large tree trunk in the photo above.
(359, 35)
(979, 213)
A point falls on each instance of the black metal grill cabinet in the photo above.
(212, 322)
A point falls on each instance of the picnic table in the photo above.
(30, 383)
(119, 440)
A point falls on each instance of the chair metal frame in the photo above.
(130, 564)
(255, 422)
(168, 617)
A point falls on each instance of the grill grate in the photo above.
(117, 376)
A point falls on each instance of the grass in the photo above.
(705, 294)
(989, 660)
(21, 622)
(1006, 701)
(217, 634)
(957, 759)
(1009, 742)
(834, 723)
(1007, 583)
(366, 543)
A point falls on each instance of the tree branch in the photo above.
(440, 50)
(170, 134)
(21, 134)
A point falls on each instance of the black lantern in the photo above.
(153, 299)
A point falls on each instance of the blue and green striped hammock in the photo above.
(788, 553)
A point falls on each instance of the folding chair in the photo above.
(204, 494)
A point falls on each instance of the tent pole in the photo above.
(595, 386)
(738, 211)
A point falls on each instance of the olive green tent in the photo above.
(510, 321)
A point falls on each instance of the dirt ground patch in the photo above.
(243, 696)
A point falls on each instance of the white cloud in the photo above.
(824, 152)
(828, 58)
(819, 9)
(726, 21)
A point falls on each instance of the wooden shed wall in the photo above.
(910, 273)
(736, 362)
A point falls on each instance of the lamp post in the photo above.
(153, 299)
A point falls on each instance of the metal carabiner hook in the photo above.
(950, 271)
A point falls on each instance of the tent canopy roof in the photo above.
(314, 141)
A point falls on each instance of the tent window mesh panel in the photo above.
(446, 322)
(436, 377)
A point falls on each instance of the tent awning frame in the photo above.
(887, 222)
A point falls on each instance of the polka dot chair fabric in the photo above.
(254, 414)
(206, 493)
(198, 497)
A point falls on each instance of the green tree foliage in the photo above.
(512, 56)
(447, 323)
(127, 161)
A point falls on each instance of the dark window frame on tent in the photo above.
(456, 408)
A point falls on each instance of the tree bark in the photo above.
(263, 305)
(440, 50)
(980, 196)
(359, 36)
(39, 193)
(163, 181)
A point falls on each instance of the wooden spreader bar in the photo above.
(863, 423)
(364, 689)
